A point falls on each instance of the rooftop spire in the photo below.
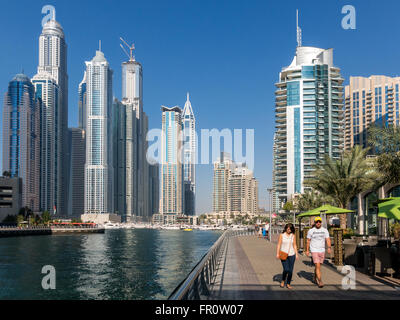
(299, 35)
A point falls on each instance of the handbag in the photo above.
(283, 255)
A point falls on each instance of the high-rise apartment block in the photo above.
(222, 171)
(243, 192)
(172, 189)
(130, 146)
(77, 170)
(309, 113)
(51, 86)
(21, 138)
(370, 101)
(235, 188)
(99, 170)
(189, 158)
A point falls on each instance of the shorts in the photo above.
(318, 257)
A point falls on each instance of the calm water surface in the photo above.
(118, 265)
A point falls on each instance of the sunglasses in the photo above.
(319, 222)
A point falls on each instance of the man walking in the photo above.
(316, 239)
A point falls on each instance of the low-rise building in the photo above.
(100, 218)
(10, 197)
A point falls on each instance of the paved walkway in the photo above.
(249, 270)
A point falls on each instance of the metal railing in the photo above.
(199, 281)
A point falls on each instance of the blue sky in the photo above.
(227, 54)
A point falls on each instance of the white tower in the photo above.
(99, 163)
(53, 62)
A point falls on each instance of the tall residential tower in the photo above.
(53, 68)
(99, 173)
(189, 158)
(21, 138)
(309, 111)
(370, 101)
(172, 194)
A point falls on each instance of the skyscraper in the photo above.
(189, 158)
(154, 188)
(77, 169)
(53, 67)
(82, 103)
(131, 128)
(21, 138)
(119, 151)
(222, 172)
(99, 174)
(172, 194)
(235, 190)
(309, 110)
(243, 192)
(48, 93)
(370, 101)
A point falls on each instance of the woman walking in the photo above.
(287, 253)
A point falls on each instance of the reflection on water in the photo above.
(118, 265)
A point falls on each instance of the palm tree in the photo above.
(385, 142)
(345, 178)
(7, 174)
(311, 200)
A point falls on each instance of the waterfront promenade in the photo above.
(248, 270)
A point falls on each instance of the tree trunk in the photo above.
(343, 220)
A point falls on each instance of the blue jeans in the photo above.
(288, 266)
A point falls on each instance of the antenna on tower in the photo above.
(131, 49)
(100, 45)
(299, 35)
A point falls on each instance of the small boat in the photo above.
(188, 230)
(110, 225)
(171, 228)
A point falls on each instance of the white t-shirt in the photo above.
(318, 238)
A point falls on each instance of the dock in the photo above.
(46, 231)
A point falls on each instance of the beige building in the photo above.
(222, 171)
(243, 192)
(369, 101)
(235, 188)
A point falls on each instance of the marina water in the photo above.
(122, 264)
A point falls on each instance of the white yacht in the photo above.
(110, 225)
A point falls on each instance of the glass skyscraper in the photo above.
(82, 116)
(189, 158)
(309, 113)
(172, 194)
(48, 93)
(51, 83)
(99, 189)
(21, 138)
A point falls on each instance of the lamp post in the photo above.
(270, 214)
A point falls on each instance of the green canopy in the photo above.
(390, 209)
(327, 209)
(385, 200)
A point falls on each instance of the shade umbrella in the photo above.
(390, 209)
(326, 209)
(385, 200)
